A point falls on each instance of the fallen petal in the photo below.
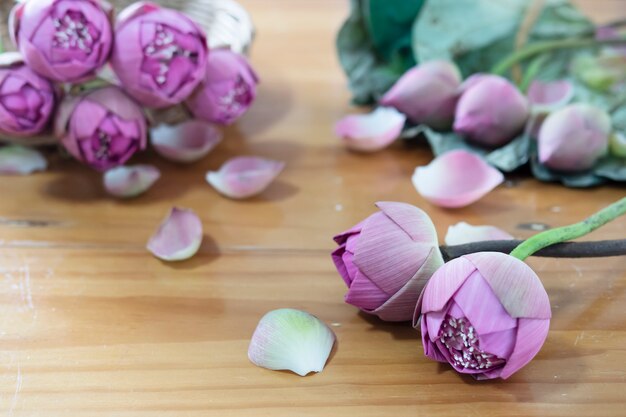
(185, 142)
(548, 96)
(462, 232)
(18, 160)
(371, 132)
(130, 181)
(244, 176)
(294, 340)
(456, 179)
(178, 237)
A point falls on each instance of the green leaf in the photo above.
(512, 155)
(575, 180)
(612, 168)
(372, 73)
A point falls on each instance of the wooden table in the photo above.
(92, 325)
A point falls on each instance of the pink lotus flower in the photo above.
(102, 128)
(574, 138)
(386, 260)
(227, 91)
(486, 314)
(491, 110)
(427, 94)
(160, 55)
(26, 99)
(63, 40)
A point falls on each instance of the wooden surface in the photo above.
(91, 325)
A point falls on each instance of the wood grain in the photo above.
(92, 326)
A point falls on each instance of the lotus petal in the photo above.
(178, 237)
(186, 142)
(456, 179)
(244, 176)
(371, 132)
(462, 232)
(294, 340)
(130, 181)
(18, 160)
(545, 97)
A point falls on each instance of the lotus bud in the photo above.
(491, 111)
(427, 93)
(486, 314)
(102, 128)
(26, 99)
(160, 55)
(386, 260)
(227, 91)
(63, 40)
(574, 138)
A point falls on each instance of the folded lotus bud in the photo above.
(102, 128)
(63, 40)
(491, 111)
(427, 93)
(227, 91)
(574, 138)
(486, 314)
(386, 260)
(27, 100)
(160, 54)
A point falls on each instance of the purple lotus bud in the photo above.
(491, 110)
(228, 89)
(26, 99)
(63, 40)
(102, 128)
(160, 55)
(427, 94)
(574, 138)
(386, 260)
(486, 314)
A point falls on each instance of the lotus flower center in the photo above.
(75, 32)
(162, 51)
(237, 99)
(104, 145)
(460, 338)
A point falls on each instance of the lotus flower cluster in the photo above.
(159, 59)
(486, 314)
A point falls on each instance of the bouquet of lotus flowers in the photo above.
(101, 84)
(533, 84)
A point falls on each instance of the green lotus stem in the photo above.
(573, 231)
(532, 70)
(541, 47)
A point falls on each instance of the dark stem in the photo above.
(601, 248)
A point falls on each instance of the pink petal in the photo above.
(430, 349)
(18, 160)
(385, 250)
(244, 176)
(456, 179)
(130, 181)
(548, 96)
(178, 237)
(371, 132)
(531, 334)
(364, 294)
(515, 284)
(462, 232)
(488, 315)
(401, 306)
(444, 284)
(187, 142)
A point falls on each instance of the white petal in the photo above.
(462, 232)
(293, 340)
(456, 179)
(130, 181)
(244, 176)
(178, 237)
(185, 142)
(18, 160)
(371, 132)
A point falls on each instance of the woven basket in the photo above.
(226, 22)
